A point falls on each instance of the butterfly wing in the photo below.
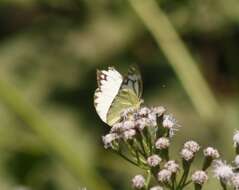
(109, 83)
(129, 95)
(133, 81)
(126, 98)
(116, 93)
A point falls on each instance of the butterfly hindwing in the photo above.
(125, 99)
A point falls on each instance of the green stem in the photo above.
(126, 158)
(148, 179)
(186, 166)
(224, 186)
(143, 143)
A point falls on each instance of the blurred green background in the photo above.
(50, 134)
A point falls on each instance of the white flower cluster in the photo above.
(199, 177)
(211, 152)
(228, 174)
(154, 160)
(164, 176)
(170, 123)
(162, 143)
(132, 122)
(189, 150)
(138, 182)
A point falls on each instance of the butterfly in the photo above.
(116, 93)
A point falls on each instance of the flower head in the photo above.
(127, 113)
(187, 154)
(164, 176)
(162, 143)
(171, 124)
(172, 166)
(153, 160)
(192, 146)
(222, 171)
(211, 152)
(158, 110)
(138, 182)
(129, 134)
(108, 139)
(199, 177)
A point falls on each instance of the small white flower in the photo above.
(129, 134)
(192, 146)
(138, 182)
(117, 127)
(211, 152)
(170, 123)
(108, 139)
(235, 181)
(127, 112)
(164, 175)
(162, 143)
(222, 171)
(120, 127)
(141, 123)
(199, 177)
(128, 124)
(153, 160)
(236, 138)
(236, 161)
(158, 110)
(187, 154)
(144, 111)
(152, 120)
(156, 188)
(172, 166)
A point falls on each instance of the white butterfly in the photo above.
(116, 93)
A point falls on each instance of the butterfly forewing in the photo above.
(133, 81)
(109, 82)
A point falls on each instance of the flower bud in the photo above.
(187, 155)
(172, 166)
(192, 146)
(210, 154)
(164, 176)
(138, 182)
(162, 143)
(158, 110)
(199, 177)
(108, 139)
(129, 134)
(154, 160)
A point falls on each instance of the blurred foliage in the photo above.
(49, 51)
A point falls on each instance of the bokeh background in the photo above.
(50, 134)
